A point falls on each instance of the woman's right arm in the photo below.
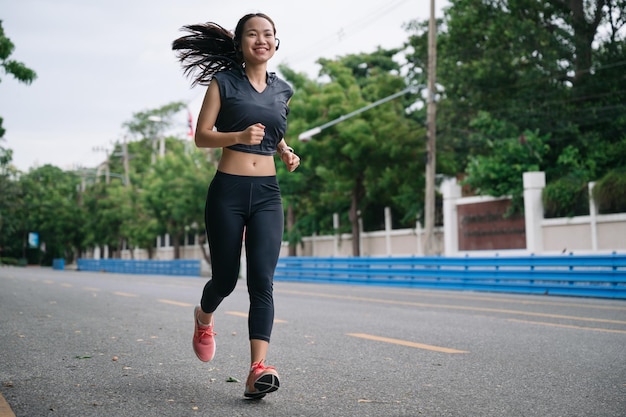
(207, 137)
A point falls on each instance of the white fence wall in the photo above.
(588, 234)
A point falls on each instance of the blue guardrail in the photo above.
(602, 276)
(186, 267)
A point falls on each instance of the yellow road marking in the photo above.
(125, 294)
(175, 303)
(67, 285)
(48, 281)
(406, 343)
(5, 410)
(455, 307)
(245, 316)
(569, 326)
(91, 289)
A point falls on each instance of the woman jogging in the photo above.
(244, 112)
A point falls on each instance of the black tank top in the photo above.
(242, 106)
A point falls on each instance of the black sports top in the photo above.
(242, 106)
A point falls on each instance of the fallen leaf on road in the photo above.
(83, 357)
(231, 379)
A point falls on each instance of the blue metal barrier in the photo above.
(186, 267)
(575, 275)
(58, 264)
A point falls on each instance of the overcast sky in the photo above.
(98, 62)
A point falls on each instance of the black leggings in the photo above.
(233, 203)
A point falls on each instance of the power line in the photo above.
(344, 32)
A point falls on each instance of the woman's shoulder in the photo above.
(233, 74)
(282, 84)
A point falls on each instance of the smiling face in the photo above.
(258, 41)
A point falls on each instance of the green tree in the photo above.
(12, 67)
(10, 207)
(550, 67)
(500, 171)
(9, 204)
(50, 208)
(343, 166)
(174, 193)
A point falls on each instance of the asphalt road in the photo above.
(95, 344)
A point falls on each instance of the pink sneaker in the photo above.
(261, 380)
(203, 340)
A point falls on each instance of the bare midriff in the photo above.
(246, 164)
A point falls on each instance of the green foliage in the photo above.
(49, 198)
(11, 67)
(555, 68)
(9, 261)
(174, 192)
(15, 68)
(522, 86)
(361, 162)
(566, 197)
(609, 193)
(500, 171)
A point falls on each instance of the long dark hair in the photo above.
(209, 48)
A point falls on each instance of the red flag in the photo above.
(190, 125)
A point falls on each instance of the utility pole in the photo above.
(431, 148)
(106, 164)
(161, 139)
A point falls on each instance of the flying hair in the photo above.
(206, 50)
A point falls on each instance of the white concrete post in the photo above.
(388, 230)
(419, 232)
(337, 236)
(593, 213)
(534, 183)
(451, 193)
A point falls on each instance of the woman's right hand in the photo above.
(253, 135)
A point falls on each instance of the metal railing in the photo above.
(574, 275)
(186, 267)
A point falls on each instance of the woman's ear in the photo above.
(277, 43)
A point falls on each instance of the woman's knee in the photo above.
(224, 286)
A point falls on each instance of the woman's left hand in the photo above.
(291, 160)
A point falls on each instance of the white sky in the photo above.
(100, 61)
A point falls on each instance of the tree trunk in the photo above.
(176, 245)
(584, 33)
(291, 221)
(201, 242)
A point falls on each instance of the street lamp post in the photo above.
(306, 136)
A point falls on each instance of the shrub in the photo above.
(8, 261)
(609, 192)
(566, 197)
